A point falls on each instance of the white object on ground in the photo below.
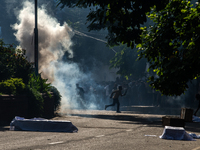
(150, 135)
(41, 124)
(194, 135)
(176, 133)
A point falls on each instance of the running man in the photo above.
(116, 93)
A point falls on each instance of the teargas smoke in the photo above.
(54, 41)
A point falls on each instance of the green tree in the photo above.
(121, 18)
(171, 46)
(126, 61)
(13, 63)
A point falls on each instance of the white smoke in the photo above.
(54, 40)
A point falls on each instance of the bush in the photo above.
(16, 74)
(39, 84)
(20, 86)
(57, 98)
(36, 83)
(35, 103)
(13, 63)
(7, 59)
(13, 86)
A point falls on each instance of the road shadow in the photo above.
(192, 127)
(4, 127)
(137, 109)
(127, 117)
(148, 121)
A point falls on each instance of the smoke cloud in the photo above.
(54, 41)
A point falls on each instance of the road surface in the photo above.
(103, 130)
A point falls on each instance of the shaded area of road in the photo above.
(137, 109)
(142, 115)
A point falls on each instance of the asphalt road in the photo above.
(136, 129)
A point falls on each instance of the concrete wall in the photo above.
(11, 106)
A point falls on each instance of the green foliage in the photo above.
(126, 61)
(35, 102)
(171, 46)
(13, 86)
(57, 98)
(14, 69)
(13, 63)
(121, 18)
(7, 87)
(7, 59)
(39, 84)
(20, 86)
(22, 66)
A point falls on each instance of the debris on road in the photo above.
(176, 133)
(41, 124)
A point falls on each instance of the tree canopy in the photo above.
(126, 61)
(122, 18)
(171, 45)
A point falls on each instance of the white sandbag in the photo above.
(41, 124)
(175, 133)
(194, 135)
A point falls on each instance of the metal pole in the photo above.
(36, 40)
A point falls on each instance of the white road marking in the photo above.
(150, 135)
(129, 130)
(99, 135)
(56, 142)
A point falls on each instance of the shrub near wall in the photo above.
(13, 86)
(57, 98)
(35, 103)
(27, 102)
(18, 80)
